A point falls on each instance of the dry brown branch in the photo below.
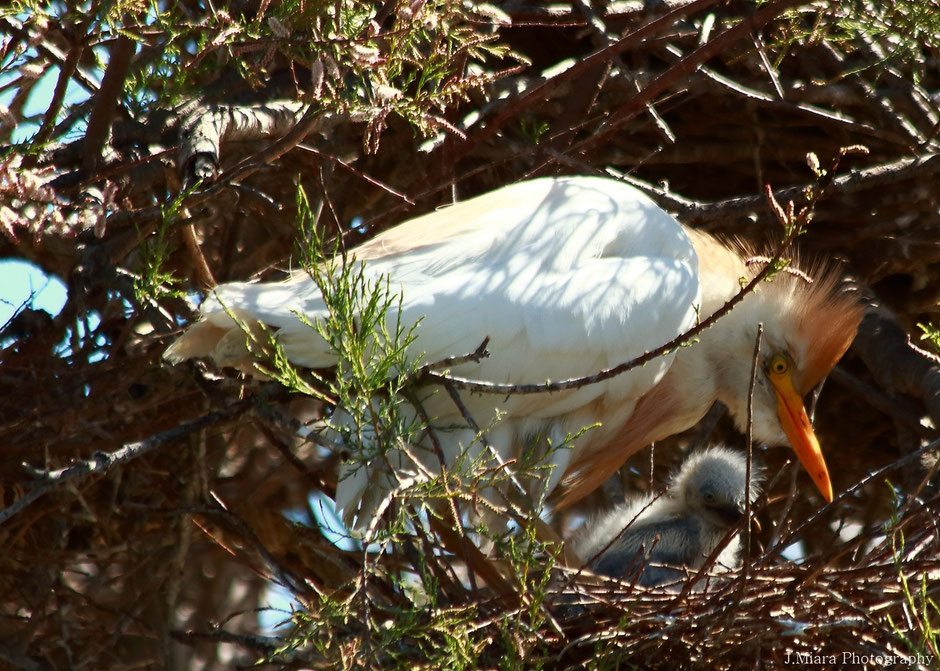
(514, 108)
(749, 444)
(101, 462)
(105, 100)
(205, 129)
(716, 215)
(895, 363)
(683, 68)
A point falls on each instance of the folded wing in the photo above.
(566, 276)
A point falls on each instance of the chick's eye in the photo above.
(779, 365)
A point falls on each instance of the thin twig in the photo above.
(535, 94)
(475, 356)
(684, 67)
(590, 560)
(372, 180)
(101, 462)
(749, 442)
(481, 435)
(907, 459)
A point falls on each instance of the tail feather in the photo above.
(236, 311)
(199, 340)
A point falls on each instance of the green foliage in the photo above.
(906, 29)
(154, 283)
(376, 389)
(931, 333)
(904, 32)
(370, 348)
(921, 635)
(425, 57)
(533, 129)
(428, 56)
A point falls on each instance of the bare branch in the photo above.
(101, 462)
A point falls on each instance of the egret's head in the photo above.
(807, 327)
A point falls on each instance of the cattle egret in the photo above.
(567, 276)
(662, 537)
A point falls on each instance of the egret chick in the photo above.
(663, 537)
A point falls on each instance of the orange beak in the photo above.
(799, 431)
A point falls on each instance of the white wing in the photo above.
(566, 276)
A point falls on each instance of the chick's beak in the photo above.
(730, 514)
(799, 431)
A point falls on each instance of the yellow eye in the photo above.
(779, 365)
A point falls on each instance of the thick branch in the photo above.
(699, 213)
(102, 113)
(58, 95)
(205, 129)
(895, 362)
(585, 65)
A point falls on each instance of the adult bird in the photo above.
(659, 539)
(567, 276)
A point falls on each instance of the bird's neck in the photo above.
(698, 369)
(687, 391)
(718, 365)
(719, 268)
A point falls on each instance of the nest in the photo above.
(149, 510)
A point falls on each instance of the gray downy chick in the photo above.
(679, 530)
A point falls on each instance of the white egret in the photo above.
(567, 276)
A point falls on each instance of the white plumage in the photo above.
(566, 276)
(660, 538)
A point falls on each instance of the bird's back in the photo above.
(666, 535)
(565, 276)
(643, 534)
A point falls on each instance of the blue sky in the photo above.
(19, 280)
